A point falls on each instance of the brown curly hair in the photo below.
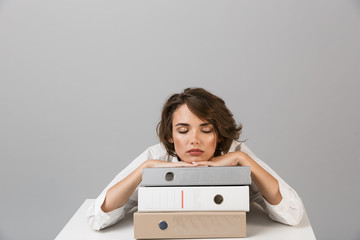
(207, 107)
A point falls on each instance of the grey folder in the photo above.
(196, 176)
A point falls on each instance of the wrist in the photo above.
(146, 164)
(242, 159)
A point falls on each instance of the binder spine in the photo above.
(189, 225)
(165, 199)
(199, 176)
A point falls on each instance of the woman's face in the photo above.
(194, 139)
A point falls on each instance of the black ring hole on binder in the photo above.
(218, 199)
(163, 225)
(169, 176)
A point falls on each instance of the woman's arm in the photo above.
(126, 191)
(266, 183)
(278, 199)
(120, 193)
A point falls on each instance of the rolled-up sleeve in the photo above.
(290, 210)
(97, 218)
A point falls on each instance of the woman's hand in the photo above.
(266, 183)
(160, 163)
(229, 159)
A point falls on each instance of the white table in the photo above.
(259, 226)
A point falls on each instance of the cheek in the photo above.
(179, 141)
(212, 141)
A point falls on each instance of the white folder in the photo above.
(165, 199)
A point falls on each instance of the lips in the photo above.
(195, 151)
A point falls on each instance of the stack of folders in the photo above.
(192, 202)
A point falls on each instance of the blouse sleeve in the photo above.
(290, 210)
(99, 219)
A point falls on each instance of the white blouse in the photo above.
(289, 211)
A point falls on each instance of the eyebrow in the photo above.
(186, 124)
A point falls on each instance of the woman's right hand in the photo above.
(161, 163)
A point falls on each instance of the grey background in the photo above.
(82, 84)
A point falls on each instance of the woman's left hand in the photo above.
(229, 159)
(266, 183)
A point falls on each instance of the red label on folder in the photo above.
(182, 198)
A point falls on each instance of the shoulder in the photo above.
(236, 146)
(239, 146)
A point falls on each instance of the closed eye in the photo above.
(207, 129)
(210, 131)
(182, 130)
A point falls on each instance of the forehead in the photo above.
(183, 115)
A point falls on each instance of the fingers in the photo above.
(182, 164)
(189, 165)
(203, 163)
(160, 163)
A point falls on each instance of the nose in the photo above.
(194, 138)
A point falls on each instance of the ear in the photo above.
(171, 140)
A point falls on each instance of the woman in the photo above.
(197, 129)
